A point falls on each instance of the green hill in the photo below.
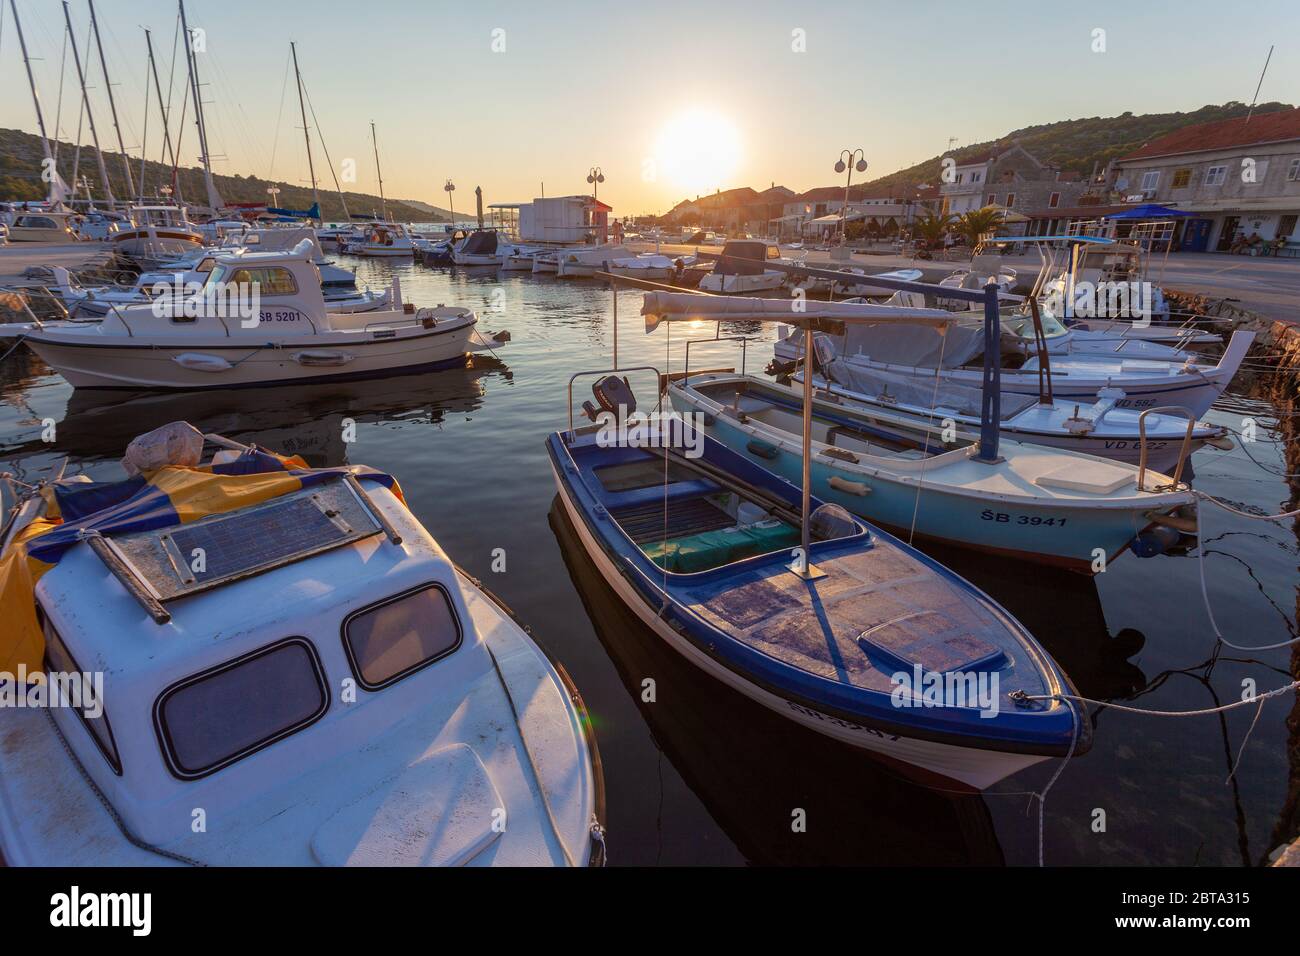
(20, 178)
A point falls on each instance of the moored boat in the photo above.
(224, 336)
(1034, 503)
(700, 548)
(342, 694)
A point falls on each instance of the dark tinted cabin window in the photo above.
(391, 640)
(58, 660)
(213, 719)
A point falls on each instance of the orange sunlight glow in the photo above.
(698, 151)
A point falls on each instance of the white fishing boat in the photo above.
(583, 262)
(546, 261)
(480, 248)
(381, 240)
(43, 227)
(740, 269)
(905, 474)
(1098, 427)
(157, 233)
(649, 266)
(518, 258)
(224, 337)
(1102, 288)
(327, 686)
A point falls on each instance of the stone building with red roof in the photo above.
(1237, 177)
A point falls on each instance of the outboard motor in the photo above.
(614, 395)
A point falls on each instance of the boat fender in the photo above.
(849, 487)
(1154, 541)
(198, 362)
(322, 358)
(763, 449)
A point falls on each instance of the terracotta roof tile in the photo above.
(1224, 134)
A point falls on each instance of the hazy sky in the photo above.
(764, 90)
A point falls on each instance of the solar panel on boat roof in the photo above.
(221, 548)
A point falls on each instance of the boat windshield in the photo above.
(1022, 325)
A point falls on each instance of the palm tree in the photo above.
(972, 226)
(931, 228)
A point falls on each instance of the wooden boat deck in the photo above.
(875, 613)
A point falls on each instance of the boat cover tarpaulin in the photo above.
(927, 346)
(172, 495)
(689, 306)
(480, 244)
(921, 391)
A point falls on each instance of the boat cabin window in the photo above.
(58, 661)
(388, 641)
(215, 718)
(36, 222)
(270, 280)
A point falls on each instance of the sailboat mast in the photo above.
(162, 109)
(382, 202)
(112, 105)
(36, 98)
(144, 141)
(214, 198)
(302, 108)
(90, 116)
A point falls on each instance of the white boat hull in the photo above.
(117, 366)
(977, 769)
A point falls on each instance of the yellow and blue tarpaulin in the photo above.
(169, 496)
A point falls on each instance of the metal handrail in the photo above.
(744, 341)
(1183, 452)
(612, 371)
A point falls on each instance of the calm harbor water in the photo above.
(702, 776)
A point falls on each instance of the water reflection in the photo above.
(306, 420)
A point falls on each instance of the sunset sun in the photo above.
(697, 151)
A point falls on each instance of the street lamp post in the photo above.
(840, 166)
(274, 193)
(595, 177)
(450, 188)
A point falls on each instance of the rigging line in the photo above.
(934, 401)
(325, 149)
(58, 105)
(275, 141)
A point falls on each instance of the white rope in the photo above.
(1205, 711)
(1200, 557)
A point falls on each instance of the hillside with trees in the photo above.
(20, 179)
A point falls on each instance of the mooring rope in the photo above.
(1200, 555)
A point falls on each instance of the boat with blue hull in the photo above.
(862, 638)
(1035, 503)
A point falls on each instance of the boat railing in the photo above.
(1183, 452)
(744, 341)
(613, 371)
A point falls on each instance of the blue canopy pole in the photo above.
(991, 406)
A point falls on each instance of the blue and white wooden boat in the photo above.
(843, 640)
(1034, 503)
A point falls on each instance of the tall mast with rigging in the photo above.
(90, 116)
(112, 105)
(214, 197)
(162, 109)
(58, 191)
(305, 134)
(382, 202)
